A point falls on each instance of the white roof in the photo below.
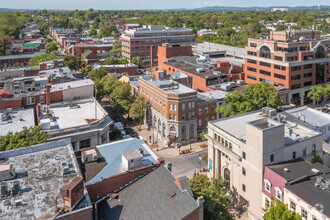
(18, 120)
(311, 116)
(72, 84)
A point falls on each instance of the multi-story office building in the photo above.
(240, 147)
(291, 59)
(138, 42)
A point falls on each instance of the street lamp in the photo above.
(200, 160)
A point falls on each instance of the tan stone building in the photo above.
(239, 147)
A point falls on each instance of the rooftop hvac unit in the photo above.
(319, 179)
(65, 167)
(327, 184)
(4, 117)
(3, 189)
(7, 172)
(225, 86)
(45, 124)
(199, 70)
(232, 84)
(132, 159)
(16, 187)
(240, 82)
(89, 156)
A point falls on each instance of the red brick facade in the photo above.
(205, 113)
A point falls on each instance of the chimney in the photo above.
(152, 56)
(38, 110)
(72, 193)
(48, 86)
(200, 201)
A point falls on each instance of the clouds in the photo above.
(147, 4)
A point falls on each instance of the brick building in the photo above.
(27, 92)
(79, 49)
(13, 61)
(129, 69)
(171, 110)
(203, 71)
(295, 60)
(143, 42)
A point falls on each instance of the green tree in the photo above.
(137, 109)
(87, 69)
(316, 158)
(123, 61)
(280, 211)
(26, 137)
(5, 43)
(106, 86)
(316, 93)
(74, 63)
(115, 134)
(111, 61)
(34, 61)
(215, 195)
(202, 135)
(116, 47)
(327, 90)
(51, 46)
(138, 61)
(9, 24)
(122, 97)
(106, 30)
(97, 74)
(254, 97)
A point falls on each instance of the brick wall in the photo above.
(15, 104)
(194, 215)
(206, 117)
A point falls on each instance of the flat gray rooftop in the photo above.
(39, 172)
(18, 119)
(230, 50)
(67, 117)
(169, 86)
(236, 126)
(216, 94)
(311, 116)
(72, 84)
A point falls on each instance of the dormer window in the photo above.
(278, 193)
(267, 185)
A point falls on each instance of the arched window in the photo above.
(191, 131)
(320, 53)
(265, 52)
(183, 133)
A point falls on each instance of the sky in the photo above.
(148, 4)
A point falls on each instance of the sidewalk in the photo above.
(162, 150)
(174, 152)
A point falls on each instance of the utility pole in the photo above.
(200, 160)
(95, 103)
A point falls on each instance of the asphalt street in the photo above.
(186, 165)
